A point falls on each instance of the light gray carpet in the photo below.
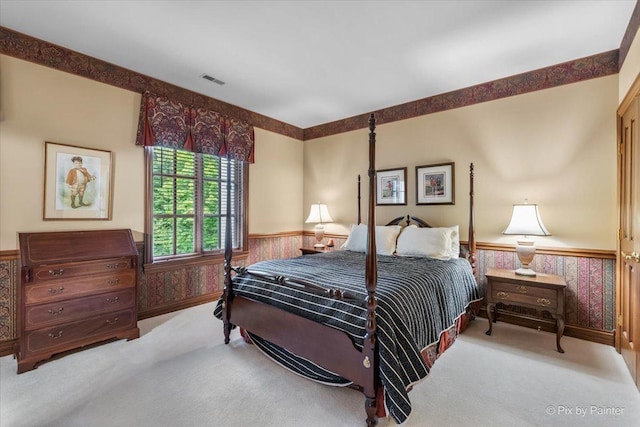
(179, 373)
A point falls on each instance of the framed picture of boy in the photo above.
(77, 183)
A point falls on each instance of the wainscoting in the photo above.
(590, 276)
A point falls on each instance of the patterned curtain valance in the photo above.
(167, 123)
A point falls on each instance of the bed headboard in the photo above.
(468, 251)
(408, 220)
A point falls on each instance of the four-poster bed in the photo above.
(315, 316)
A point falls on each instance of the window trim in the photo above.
(209, 257)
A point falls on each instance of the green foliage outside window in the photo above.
(189, 202)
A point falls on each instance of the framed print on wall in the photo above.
(391, 185)
(77, 183)
(435, 184)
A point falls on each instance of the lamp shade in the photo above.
(319, 213)
(525, 220)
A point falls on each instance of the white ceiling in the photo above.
(311, 62)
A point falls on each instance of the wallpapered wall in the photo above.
(589, 297)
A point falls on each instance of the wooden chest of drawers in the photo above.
(77, 288)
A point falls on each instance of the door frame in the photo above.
(634, 92)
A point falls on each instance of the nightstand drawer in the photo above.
(546, 299)
(541, 297)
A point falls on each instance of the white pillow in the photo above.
(425, 242)
(386, 236)
(455, 241)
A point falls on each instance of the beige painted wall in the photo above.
(556, 147)
(40, 104)
(630, 68)
(275, 184)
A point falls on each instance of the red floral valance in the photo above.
(167, 123)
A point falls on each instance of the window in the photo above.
(187, 209)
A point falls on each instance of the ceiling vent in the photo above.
(212, 79)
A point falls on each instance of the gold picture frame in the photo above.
(77, 183)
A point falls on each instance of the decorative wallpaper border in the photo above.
(578, 70)
(38, 51)
(591, 284)
(9, 279)
(31, 49)
(589, 300)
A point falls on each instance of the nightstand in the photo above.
(544, 292)
(310, 251)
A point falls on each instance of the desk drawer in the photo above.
(64, 289)
(55, 313)
(80, 333)
(59, 271)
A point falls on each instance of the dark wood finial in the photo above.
(372, 122)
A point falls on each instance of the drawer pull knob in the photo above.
(56, 335)
(112, 300)
(56, 312)
(113, 282)
(57, 272)
(112, 322)
(116, 265)
(502, 295)
(56, 291)
(543, 301)
(522, 289)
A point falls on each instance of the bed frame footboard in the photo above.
(326, 346)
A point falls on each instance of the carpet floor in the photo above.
(179, 373)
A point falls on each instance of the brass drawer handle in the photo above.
(56, 291)
(112, 300)
(57, 272)
(113, 282)
(522, 289)
(117, 265)
(112, 322)
(56, 335)
(56, 312)
(502, 295)
(543, 301)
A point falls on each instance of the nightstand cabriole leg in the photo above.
(559, 331)
(490, 316)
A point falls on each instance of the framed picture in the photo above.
(77, 183)
(391, 185)
(435, 184)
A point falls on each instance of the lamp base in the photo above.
(525, 272)
(319, 232)
(525, 250)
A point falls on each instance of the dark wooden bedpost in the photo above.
(227, 293)
(359, 215)
(370, 361)
(472, 230)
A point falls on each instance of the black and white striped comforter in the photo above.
(418, 298)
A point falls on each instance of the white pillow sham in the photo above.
(386, 236)
(454, 252)
(426, 242)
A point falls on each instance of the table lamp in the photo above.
(319, 214)
(525, 220)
